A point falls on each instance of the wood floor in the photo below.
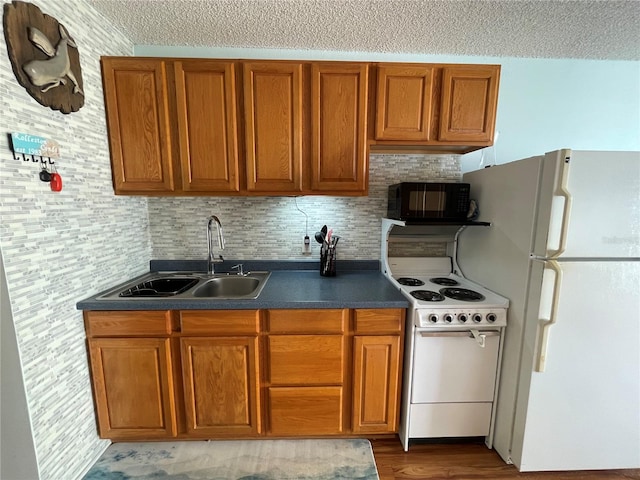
(465, 461)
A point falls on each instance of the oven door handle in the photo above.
(479, 335)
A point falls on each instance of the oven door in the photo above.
(453, 366)
(453, 381)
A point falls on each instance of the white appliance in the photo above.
(564, 247)
(452, 348)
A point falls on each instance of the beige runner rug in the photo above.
(331, 459)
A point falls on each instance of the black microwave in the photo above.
(427, 201)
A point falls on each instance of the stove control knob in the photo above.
(491, 317)
(462, 318)
(433, 318)
(477, 318)
(448, 318)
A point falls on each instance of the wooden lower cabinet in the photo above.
(133, 387)
(245, 373)
(377, 373)
(376, 383)
(306, 378)
(220, 378)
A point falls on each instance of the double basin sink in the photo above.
(193, 285)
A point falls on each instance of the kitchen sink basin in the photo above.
(160, 287)
(232, 286)
(191, 285)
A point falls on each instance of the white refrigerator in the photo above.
(564, 247)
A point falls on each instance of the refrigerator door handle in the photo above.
(546, 324)
(563, 191)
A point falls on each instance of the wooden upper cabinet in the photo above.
(136, 100)
(242, 127)
(403, 102)
(339, 160)
(469, 102)
(273, 100)
(207, 131)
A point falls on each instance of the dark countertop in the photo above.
(361, 286)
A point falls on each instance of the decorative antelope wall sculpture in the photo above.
(50, 73)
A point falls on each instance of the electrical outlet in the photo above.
(306, 246)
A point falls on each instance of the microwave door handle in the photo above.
(547, 324)
(563, 191)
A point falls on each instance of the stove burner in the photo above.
(462, 294)
(411, 282)
(449, 282)
(427, 295)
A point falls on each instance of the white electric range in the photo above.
(453, 346)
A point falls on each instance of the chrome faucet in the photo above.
(211, 258)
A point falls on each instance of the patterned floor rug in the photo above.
(334, 459)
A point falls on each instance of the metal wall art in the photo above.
(44, 57)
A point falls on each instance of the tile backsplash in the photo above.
(273, 228)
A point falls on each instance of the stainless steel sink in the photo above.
(232, 286)
(227, 286)
(160, 287)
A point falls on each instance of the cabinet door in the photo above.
(206, 111)
(376, 384)
(469, 102)
(136, 103)
(133, 387)
(339, 143)
(273, 126)
(220, 384)
(403, 102)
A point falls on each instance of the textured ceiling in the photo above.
(602, 29)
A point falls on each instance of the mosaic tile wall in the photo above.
(274, 227)
(59, 248)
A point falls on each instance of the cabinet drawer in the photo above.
(306, 359)
(308, 321)
(127, 323)
(220, 322)
(372, 321)
(305, 410)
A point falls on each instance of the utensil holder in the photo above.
(328, 261)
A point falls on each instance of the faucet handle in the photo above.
(239, 268)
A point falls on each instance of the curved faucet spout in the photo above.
(211, 258)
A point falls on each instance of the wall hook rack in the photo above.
(33, 158)
(27, 147)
